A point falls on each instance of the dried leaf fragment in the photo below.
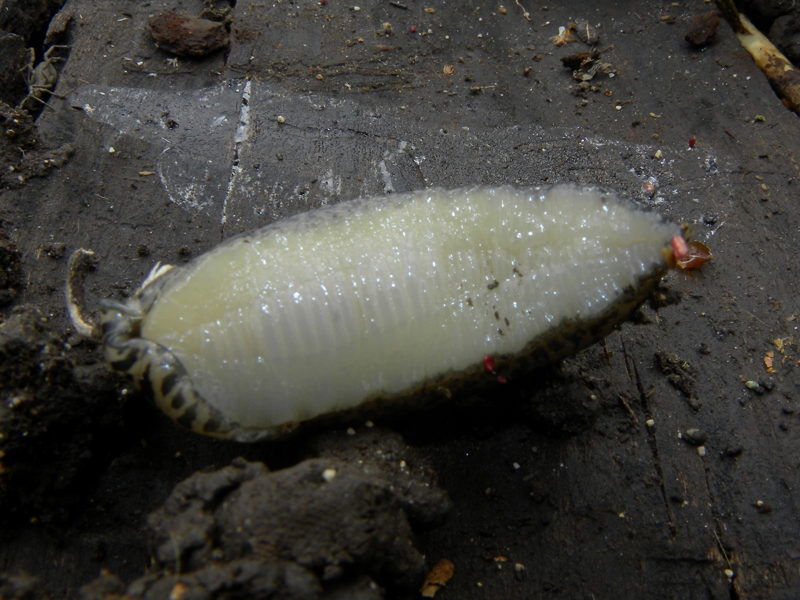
(782, 343)
(565, 35)
(697, 255)
(586, 33)
(437, 578)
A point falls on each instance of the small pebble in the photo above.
(281, 119)
(695, 436)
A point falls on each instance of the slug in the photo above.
(385, 302)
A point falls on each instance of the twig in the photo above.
(525, 13)
(628, 408)
(721, 547)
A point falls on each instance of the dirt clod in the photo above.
(327, 526)
(53, 414)
(703, 29)
(10, 270)
(186, 35)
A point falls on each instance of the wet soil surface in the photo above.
(661, 463)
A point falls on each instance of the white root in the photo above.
(783, 76)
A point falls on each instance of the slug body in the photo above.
(384, 301)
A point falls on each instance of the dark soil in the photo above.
(661, 463)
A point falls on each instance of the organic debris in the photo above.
(697, 255)
(586, 33)
(437, 578)
(585, 65)
(768, 358)
(565, 35)
(679, 373)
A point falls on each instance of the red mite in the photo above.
(692, 142)
(413, 29)
(488, 364)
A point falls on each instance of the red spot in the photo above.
(323, 2)
(488, 363)
(413, 29)
(502, 379)
(680, 250)
(692, 142)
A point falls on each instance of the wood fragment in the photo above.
(437, 578)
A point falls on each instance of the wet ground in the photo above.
(583, 482)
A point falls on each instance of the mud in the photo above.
(324, 528)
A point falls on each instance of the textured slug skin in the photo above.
(376, 298)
